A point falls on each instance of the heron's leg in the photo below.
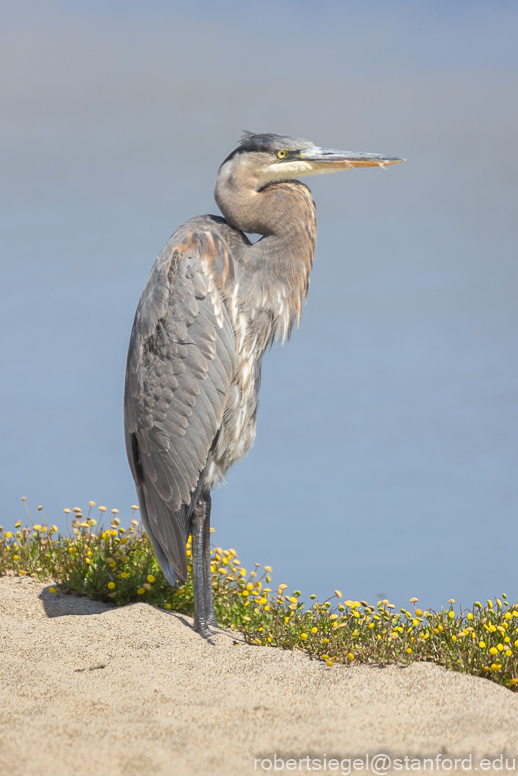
(199, 519)
(207, 576)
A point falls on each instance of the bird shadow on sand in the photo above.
(62, 604)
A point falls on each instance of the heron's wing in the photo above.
(180, 366)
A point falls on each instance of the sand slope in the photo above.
(90, 690)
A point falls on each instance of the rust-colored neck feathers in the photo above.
(278, 266)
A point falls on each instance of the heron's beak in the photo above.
(320, 161)
(326, 160)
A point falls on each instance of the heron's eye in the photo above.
(282, 154)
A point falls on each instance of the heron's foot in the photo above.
(203, 629)
(212, 620)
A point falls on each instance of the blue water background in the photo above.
(386, 456)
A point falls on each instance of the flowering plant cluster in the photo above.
(118, 565)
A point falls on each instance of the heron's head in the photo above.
(263, 158)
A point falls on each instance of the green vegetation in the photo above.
(117, 565)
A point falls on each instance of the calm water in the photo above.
(386, 456)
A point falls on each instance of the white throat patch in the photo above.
(297, 168)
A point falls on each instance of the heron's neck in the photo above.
(276, 269)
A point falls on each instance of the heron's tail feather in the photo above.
(168, 541)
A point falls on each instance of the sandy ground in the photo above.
(90, 690)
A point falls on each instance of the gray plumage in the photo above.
(212, 305)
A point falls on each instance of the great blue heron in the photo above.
(213, 303)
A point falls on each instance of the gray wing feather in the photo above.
(181, 363)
